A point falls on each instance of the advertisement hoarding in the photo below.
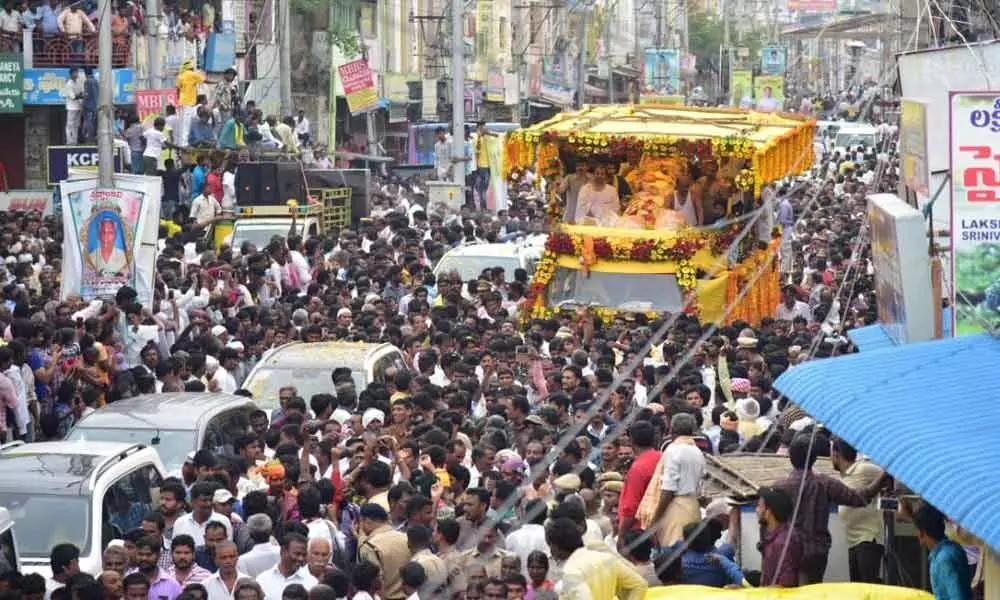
(913, 167)
(902, 269)
(359, 87)
(975, 210)
(661, 71)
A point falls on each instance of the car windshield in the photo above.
(258, 235)
(853, 140)
(622, 291)
(174, 446)
(307, 381)
(470, 267)
(44, 520)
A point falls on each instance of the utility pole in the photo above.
(458, 93)
(153, 40)
(661, 7)
(607, 52)
(105, 141)
(332, 99)
(581, 67)
(285, 58)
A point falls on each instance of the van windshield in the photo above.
(266, 383)
(848, 139)
(470, 267)
(44, 520)
(620, 291)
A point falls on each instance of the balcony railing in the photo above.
(65, 52)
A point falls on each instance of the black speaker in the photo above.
(270, 183)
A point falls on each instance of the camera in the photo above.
(888, 503)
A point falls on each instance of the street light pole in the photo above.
(105, 108)
(458, 91)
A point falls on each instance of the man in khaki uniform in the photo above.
(418, 537)
(486, 552)
(384, 547)
(445, 538)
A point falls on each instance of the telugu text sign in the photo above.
(975, 210)
(11, 83)
(359, 87)
(913, 146)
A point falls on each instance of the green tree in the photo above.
(705, 34)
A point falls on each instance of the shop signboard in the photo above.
(359, 87)
(913, 146)
(43, 87)
(11, 83)
(975, 210)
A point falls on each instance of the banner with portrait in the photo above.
(109, 236)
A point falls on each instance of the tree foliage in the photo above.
(706, 33)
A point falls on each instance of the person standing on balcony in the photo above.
(10, 21)
(73, 23)
(91, 91)
(48, 16)
(73, 92)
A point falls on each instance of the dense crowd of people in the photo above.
(562, 462)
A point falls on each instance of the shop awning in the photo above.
(873, 337)
(927, 412)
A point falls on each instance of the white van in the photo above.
(10, 561)
(850, 136)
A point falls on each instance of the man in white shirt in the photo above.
(72, 92)
(221, 584)
(204, 209)
(10, 21)
(683, 466)
(302, 128)
(530, 536)
(291, 568)
(792, 307)
(264, 555)
(156, 140)
(443, 163)
(65, 562)
(193, 523)
(224, 379)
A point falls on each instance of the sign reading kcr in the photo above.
(64, 158)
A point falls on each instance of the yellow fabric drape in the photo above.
(822, 591)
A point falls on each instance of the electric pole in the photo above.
(458, 93)
(607, 52)
(105, 141)
(153, 40)
(581, 67)
(285, 58)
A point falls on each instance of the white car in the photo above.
(259, 231)
(86, 494)
(470, 261)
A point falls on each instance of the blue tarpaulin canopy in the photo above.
(927, 412)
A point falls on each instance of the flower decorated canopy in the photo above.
(775, 145)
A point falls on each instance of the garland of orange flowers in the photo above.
(764, 290)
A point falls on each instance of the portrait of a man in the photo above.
(106, 245)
